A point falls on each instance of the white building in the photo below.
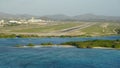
(18, 22)
(36, 20)
(2, 22)
(14, 22)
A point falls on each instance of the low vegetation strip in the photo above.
(95, 43)
(100, 44)
(27, 35)
(4, 35)
(49, 44)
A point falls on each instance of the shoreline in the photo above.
(47, 46)
(4, 35)
(60, 36)
(103, 48)
(65, 46)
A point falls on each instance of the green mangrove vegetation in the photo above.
(26, 36)
(3, 35)
(30, 44)
(48, 43)
(95, 43)
(82, 44)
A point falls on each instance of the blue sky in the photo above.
(68, 7)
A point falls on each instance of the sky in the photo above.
(68, 7)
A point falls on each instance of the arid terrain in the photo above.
(64, 28)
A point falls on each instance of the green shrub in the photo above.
(49, 43)
(30, 44)
(116, 46)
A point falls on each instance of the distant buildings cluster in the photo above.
(21, 21)
(1, 22)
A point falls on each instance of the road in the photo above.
(77, 27)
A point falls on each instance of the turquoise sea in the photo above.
(11, 57)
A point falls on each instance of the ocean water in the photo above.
(11, 57)
(58, 58)
(55, 40)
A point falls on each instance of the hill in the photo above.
(62, 17)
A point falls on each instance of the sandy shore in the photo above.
(40, 46)
(102, 48)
